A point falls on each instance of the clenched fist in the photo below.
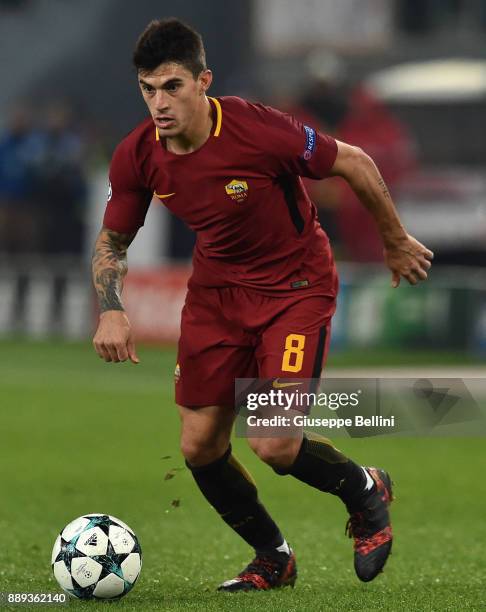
(407, 258)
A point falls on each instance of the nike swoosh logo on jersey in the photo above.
(162, 196)
(281, 385)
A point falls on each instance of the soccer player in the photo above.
(263, 288)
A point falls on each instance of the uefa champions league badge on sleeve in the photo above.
(96, 556)
(310, 142)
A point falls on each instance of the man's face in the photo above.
(173, 96)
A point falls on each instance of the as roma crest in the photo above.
(237, 190)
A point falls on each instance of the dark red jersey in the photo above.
(242, 194)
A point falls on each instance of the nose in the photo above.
(161, 101)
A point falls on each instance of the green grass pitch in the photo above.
(81, 436)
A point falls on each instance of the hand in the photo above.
(409, 258)
(113, 340)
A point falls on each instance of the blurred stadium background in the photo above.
(403, 79)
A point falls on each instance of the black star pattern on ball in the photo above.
(103, 521)
(69, 551)
(82, 592)
(111, 562)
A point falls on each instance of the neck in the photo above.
(197, 132)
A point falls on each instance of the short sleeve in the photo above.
(128, 198)
(293, 147)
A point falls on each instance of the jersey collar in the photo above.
(219, 116)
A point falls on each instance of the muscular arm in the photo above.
(404, 255)
(113, 340)
(109, 267)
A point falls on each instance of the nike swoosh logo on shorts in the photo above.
(281, 385)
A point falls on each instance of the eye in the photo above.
(147, 88)
(172, 87)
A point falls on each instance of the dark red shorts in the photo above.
(234, 332)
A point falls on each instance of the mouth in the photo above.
(164, 122)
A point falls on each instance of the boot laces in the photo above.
(264, 566)
(356, 526)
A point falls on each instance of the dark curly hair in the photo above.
(169, 40)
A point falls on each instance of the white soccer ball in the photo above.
(96, 556)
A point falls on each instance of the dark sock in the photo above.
(321, 465)
(230, 489)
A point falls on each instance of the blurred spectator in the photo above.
(326, 96)
(42, 185)
(61, 184)
(371, 126)
(20, 152)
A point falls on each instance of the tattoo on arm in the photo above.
(384, 188)
(109, 267)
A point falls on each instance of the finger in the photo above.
(421, 274)
(424, 250)
(424, 263)
(102, 353)
(121, 351)
(411, 278)
(395, 280)
(112, 352)
(132, 354)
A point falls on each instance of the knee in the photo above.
(198, 452)
(205, 433)
(278, 453)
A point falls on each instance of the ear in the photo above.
(205, 80)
